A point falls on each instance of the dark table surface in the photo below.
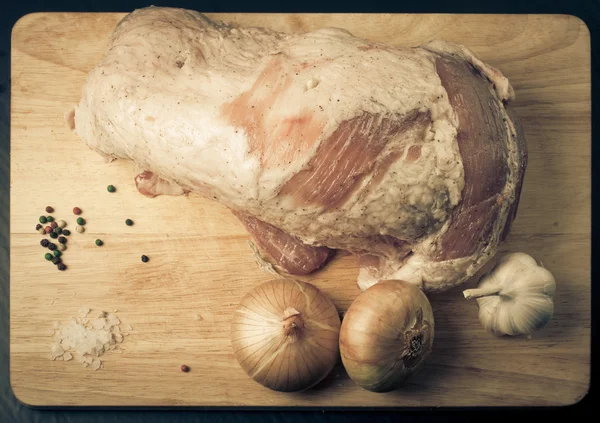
(13, 411)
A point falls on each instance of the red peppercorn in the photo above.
(76, 210)
(49, 209)
(185, 368)
(53, 225)
(48, 229)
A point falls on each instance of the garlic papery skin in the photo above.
(515, 297)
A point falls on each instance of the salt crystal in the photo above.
(96, 364)
(57, 351)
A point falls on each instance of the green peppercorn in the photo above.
(57, 253)
(58, 230)
(50, 219)
(48, 256)
(43, 219)
(129, 222)
(99, 242)
(66, 232)
(111, 188)
(53, 235)
(80, 221)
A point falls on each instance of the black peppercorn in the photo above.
(129, 222)
(66, 232)
(61, 266)
(62, 240)
(56, 260)
(38, 226)
(44, 242)
(53, 235)
(51, 246)
(145, 259)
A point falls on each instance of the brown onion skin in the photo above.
(282, 352)
(374, 334)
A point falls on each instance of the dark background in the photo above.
(13, 411)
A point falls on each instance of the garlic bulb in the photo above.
(515, 297)
(386, 335)
(285, 335)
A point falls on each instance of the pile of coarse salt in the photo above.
(88, 338)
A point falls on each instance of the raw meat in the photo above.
(407, 157)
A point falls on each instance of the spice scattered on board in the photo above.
(111, 188)
(80, 221)
(80, 229)
(185, 368)
(129, 222)
(49, 209)
(76, 210)
(87, 339)
(99, 242)
(145, 259)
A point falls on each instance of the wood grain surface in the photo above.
(180, 303)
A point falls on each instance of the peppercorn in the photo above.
(62, 223)
(80, 221)
(80, 229)
(62, 240)
(62, 247)
(54, 225)
(43, 219)
(50, 219)
(48, 256)
(38, 226)
(66, 232)
(61, 266)
(42, 231)
(99, 243)
(185, 368)
(57, 253)
(49, 209)
(76, 210)
(129, 222)
(44, 242)
(51, 246)
(53, 235)
(145, 259)
(48, 229)
(58, 230)
(111, 188)
(56, 260)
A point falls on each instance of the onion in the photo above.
(386, 335)
(285, 335)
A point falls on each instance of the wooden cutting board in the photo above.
(180, 303)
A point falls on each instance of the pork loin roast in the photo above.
(409, 158)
